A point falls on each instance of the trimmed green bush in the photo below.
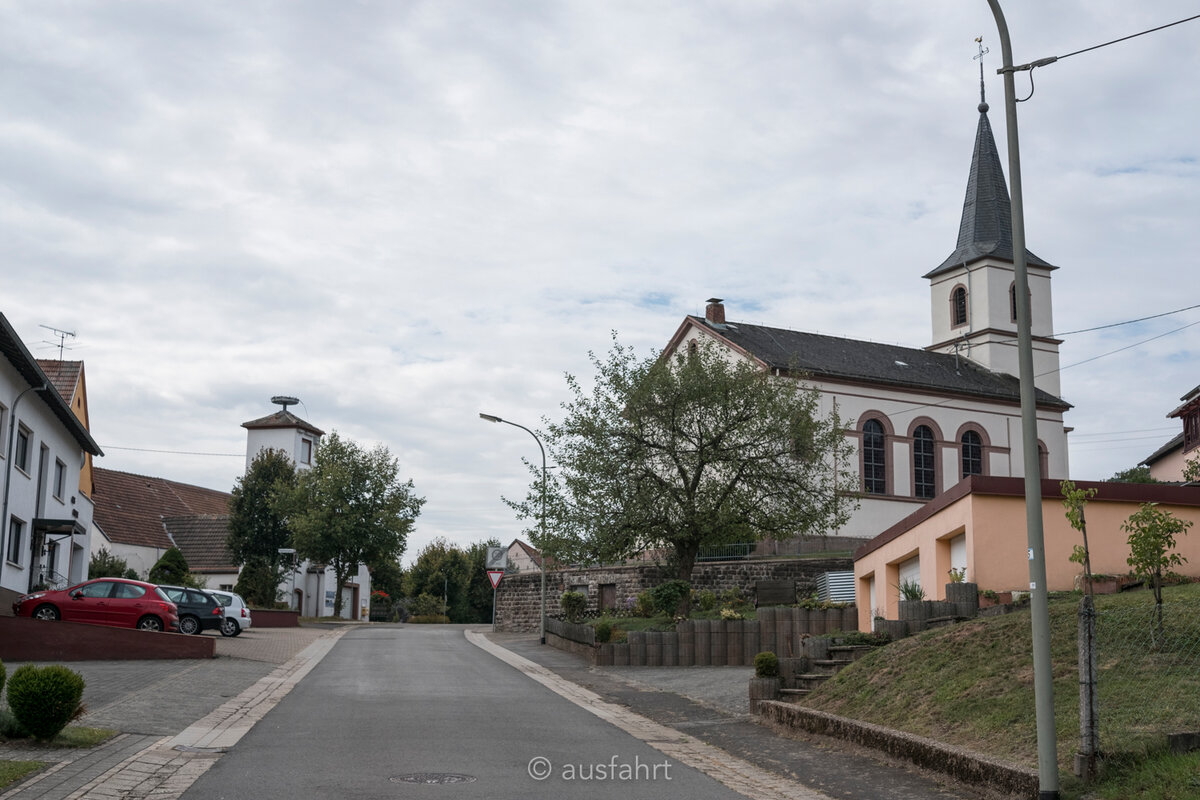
(644, 605)
(603, 631)
(766, 665)
(669, 594)
(707, 600)
(45, 699)
(574, 604)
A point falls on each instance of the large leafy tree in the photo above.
(350, 508)
(258, 526)
(687, 451)
(442, 570)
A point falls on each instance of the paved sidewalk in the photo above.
(176, 717)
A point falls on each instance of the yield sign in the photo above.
(494, 575)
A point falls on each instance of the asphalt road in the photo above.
(418, 703)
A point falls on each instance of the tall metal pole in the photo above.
(542, 520)
(1043, 675)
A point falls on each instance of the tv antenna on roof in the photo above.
(62, 339)
(284, 400)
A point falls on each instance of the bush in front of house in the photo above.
(668, 595)
(603, 631)
(45, 699)
(766, 665)
(707, 600)
(573, 604)
(643, 606)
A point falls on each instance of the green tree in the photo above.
(388, 577)
(1074, 501)
(104, 564)
(1191, 469)
(442, 571)
(685, 452)
(350, 509)
(1152, 531)
(258, 526)
(479, 588)
(172, 569)
(1138, 474)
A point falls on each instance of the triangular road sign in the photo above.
(494, 575)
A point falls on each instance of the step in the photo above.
(830, 666)
(852, 651)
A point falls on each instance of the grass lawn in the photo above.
(971, 684)
(13, 771)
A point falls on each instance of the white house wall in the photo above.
(29, 497)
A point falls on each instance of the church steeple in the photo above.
(985, 229)
(973, 290)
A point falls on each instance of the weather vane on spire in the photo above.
(983, 51)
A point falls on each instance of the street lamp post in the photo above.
(542, 517)
(1043, 680)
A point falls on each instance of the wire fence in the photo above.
(1148, 672)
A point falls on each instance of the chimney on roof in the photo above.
(715, 311)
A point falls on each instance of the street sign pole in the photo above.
(495, 576)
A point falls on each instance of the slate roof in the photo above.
(64, 375)
(283, 419)
(13, 349)
(985, 229)
(130, 509)
(201, 538)
(851, 360)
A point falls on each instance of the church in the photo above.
(924, 419)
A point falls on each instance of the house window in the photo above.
(21, 456)
(972, 454)
(874, 458)
(1043, 461)
(924, 477)
(60, 478)
(958, 307)
(16, 531)
(306, 451)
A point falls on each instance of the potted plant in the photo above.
(766, 682)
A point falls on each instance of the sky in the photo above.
(408, 213)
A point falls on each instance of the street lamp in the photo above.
(1043, 680)
(542, 519)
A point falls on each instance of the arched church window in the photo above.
(958, 306)
(972, 454)
(874, 458)
(924, 473)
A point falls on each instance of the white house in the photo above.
(45, 518)
(922, 419)
(314, 587)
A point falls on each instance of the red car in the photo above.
(117, 602)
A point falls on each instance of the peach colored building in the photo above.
(979, 526)
(1168, 462)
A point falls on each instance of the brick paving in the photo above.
(175, 717)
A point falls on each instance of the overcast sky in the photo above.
(405, 213)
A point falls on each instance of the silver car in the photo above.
(237, 615)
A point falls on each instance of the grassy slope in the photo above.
(972, 684)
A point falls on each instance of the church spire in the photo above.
(986, 225)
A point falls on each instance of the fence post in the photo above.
(1089, 705)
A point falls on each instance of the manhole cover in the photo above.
(432, 778)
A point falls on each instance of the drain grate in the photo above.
(432, 778)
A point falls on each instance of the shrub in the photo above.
(45, 699)
(9, 727)
(911, 590)
(426, 605)
(603, 631)
(669, 594)
(429, 619)
(730, 613)
(731, 596)
(707, 600)
(574, 604)
(2, 676)
(766, 665)
(644, 605)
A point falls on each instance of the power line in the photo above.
(1130, 36)
(173, 452)
(1127, 322)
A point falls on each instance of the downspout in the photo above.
(8, 465)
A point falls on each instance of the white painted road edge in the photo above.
(741, 776)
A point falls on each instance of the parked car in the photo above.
(237, 615)
(118, 602)
(198, 610)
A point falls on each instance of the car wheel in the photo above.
(46, 612)
(150, 624)
(230, 627)
(189, 625)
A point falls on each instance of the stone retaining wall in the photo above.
(962, 764)
(518, 598)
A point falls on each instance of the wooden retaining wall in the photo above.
(711, 642)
